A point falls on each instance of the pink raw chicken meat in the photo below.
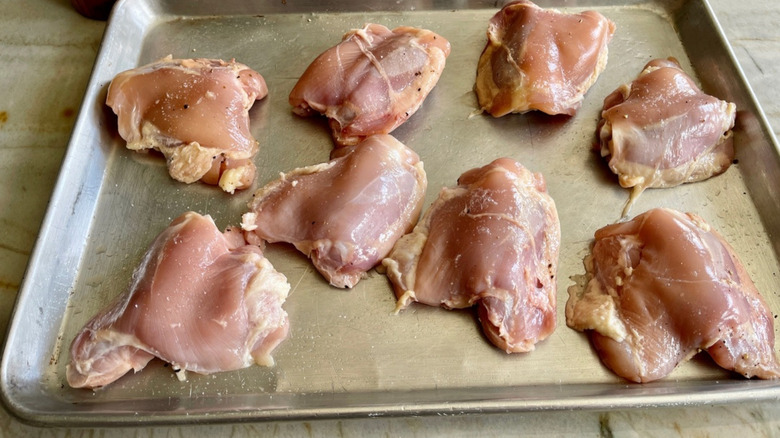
(372, 81)
(492, 241)
(661, 130)
(540, 59)
(345, 214)
(664, 286)
(194, 111)
(201, 300)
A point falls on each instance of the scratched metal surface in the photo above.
(348, 355)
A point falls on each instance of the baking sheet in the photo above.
(347, 354)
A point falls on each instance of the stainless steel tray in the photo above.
(348, 355)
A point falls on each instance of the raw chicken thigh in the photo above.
(663, 287)
(492, 241)
(661, 130)
(201, 300)
(540, 59)
(345, 214)
(372, 81)
(194, 111)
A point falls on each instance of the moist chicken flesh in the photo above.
(344, 214)
(196, 113)
(664, 286)
(372, 81)
(492, 241)
(201, 300)
(661, 130)
(540, 59)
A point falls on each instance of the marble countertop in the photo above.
(46, 55)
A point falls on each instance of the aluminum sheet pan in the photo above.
(347, 354)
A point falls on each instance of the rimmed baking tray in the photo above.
(348, 355)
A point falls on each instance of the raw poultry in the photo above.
(372, 81)
(492, 241)
(540, 59)
(344, 214)
(661, 130)
(202, 300)
(664, 286)
(196, 113)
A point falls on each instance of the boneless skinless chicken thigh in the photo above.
(540, 59)
(201, 300)
(372, 81)
(661, 130)
(492, 241)
(664, 286)
(344, 214)
(194, 111)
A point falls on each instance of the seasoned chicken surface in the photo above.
(201, 300)
(492, 241)
(664, 286)
(345, 214)
(540, 59)
(372, 81)
(194, 111)
(661, 130)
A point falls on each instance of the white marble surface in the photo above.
(46, 55)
